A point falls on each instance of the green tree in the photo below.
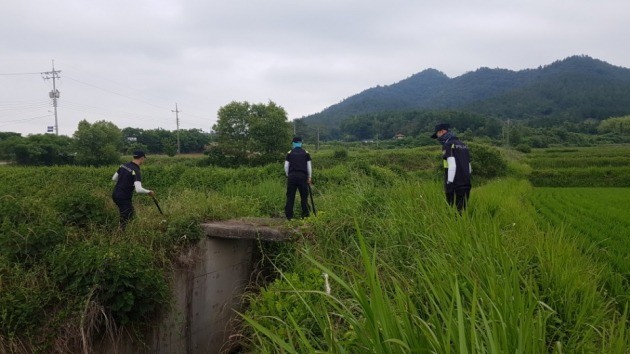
(250, 134)
(616, 125)
(130, 137)
(169, 146)
(97, 144)
(7, 135)
(7, 145)
(130, 148)
(40, 149)
(193, 140)
(269, 132)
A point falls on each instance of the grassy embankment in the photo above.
(407, 275)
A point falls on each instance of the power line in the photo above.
(11, 122)
(70, 105)
(192, 120)
(16, 74)
(23, 106)
(114, 93)
(134, 99)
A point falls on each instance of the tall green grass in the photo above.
(597, 219)
(409, 275)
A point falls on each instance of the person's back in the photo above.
(459, 151)
(128, 178)
(128, 173)
(457, 168)
(298, 159)
(297, 168)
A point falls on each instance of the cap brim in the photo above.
(434, 136)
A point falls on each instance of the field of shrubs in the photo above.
(385, 267)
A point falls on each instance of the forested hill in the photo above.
(576, 88)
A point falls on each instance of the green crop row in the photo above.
(603, 166)
(185, 173)
(597, 216)
(579, 162)
(581, 177)
(597, 151)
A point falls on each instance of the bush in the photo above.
(340, 154)
(184, 229)
(123, 278)
(24, 297)
(524, 148)
(487, 161)
(289, 297)
(82, 208)
(28, 229)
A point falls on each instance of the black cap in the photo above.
(441, 126)
(138, 154)
(297, 139)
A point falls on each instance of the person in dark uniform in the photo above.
(297, 168)
(457, 168)
(128, 178)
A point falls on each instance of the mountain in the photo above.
(574, 89)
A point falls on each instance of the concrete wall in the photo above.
(207, 290)
(205, 295)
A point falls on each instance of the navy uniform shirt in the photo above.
(459, 151)
(128, 174)
(298, 159)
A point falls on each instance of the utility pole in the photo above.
(177, 122)
(508, 132)
(54, 94)
(376, 132)
(317, 139)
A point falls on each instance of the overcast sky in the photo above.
(130, 61)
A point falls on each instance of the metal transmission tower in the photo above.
(54, 94)
(177, 122)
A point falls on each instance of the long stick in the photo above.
(310, 192)
(157, 205)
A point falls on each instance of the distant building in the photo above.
(399, 136)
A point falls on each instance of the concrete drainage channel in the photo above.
(207, 291)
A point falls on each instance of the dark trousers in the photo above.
(296, 183)
(125, 208)
(459, 198)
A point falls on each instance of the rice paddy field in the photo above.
(597, 217)
(535, 265)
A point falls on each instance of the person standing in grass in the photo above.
(128, 178)
(297, 168)
(457, 168)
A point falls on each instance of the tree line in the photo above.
(412, 128)
(97, 144)
(257, 134)
(245, 134)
